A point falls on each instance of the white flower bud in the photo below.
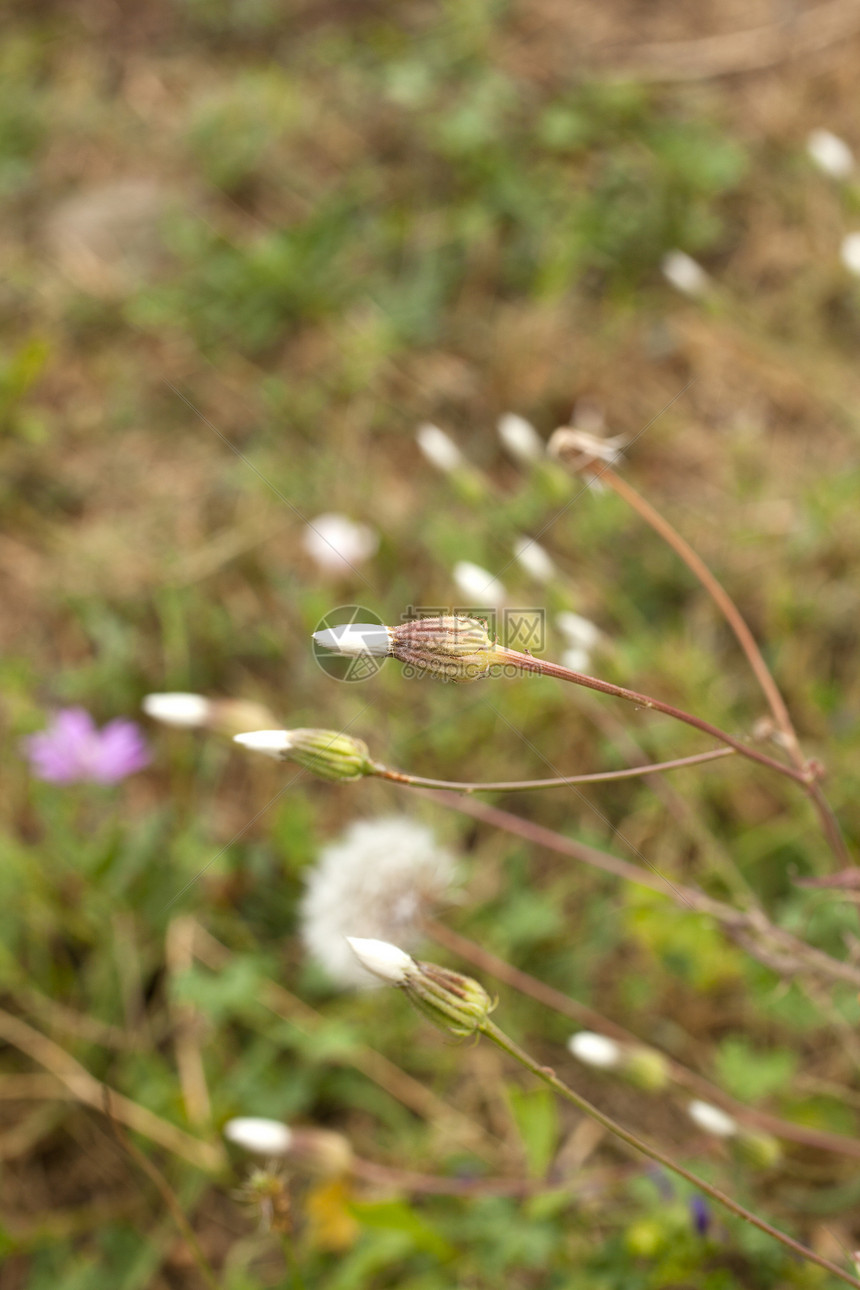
(595, 1050)
(337, 543)
(685, 274)
(439, 449)
(274, 743)
(478, 585)
(382, 959)
(520, 438)
(830, 153)
(265, 1137)
(178, 709)
(579, 631)
(534, 559)
(850, 253)
(712, 1119)
(356, 639)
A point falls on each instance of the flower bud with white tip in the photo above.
(197, 712)
(520, 438)
(330, 754)
(761, 1150)
(450, 648)
(185, 711)
(261, 1136)
(356, 639)
(453, 1002)
(439, 448)
(390, 964)
(595, 1050)
(712, 1120)
(642, 1066)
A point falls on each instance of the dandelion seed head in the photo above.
(375, 882)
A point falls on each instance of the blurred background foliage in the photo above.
(248, 247)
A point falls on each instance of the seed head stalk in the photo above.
(748, 644)
(549, 1078)
(542, 667)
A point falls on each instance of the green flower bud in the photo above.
(646, 1068)
(453, 1002)
(761, 1150)
(327, 753)
(450, 648)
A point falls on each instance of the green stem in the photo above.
(560, 781)
(550, 1078)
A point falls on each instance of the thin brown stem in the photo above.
(170, 1199)
(747, 642)
(550, 1078)
(435, 1185)
(736, 921)
(543, 667)
(491, 964)
(517, 785)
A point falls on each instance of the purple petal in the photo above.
(120, 750)
(72, 749)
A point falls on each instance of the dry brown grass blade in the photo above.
(85, 1088)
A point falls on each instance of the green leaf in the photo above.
(536, 1114)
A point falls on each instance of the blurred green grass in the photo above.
(290, 237)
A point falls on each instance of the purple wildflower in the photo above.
(73, 749)
(700, 1214)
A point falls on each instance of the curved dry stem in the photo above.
(747, 642)
(542, 667)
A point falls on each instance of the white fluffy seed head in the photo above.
(830, 153)
(390, 964)
(534, 559)
(379, 881)
(595, 1050)
(439, 448)
(356, 639)
(336, 543)
(478, 585)
(274, 743)
(685, 274)
(520, 438)
(178, 709)
(850, 253)
(711, 1119)
(263, 1137)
